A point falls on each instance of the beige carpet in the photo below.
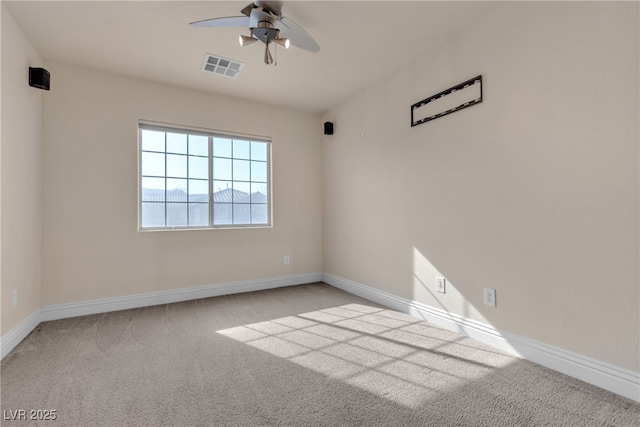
(307, 355)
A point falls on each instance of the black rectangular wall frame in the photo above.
(463, 85)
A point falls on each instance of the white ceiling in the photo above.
(360, 41)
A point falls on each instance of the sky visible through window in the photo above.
(196, 180)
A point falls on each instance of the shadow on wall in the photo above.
(453, 311)
(425, 289)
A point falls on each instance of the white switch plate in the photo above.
(287, 259)
(490, 297)
(441, 285)
(15, 298)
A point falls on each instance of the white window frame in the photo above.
(210, 134)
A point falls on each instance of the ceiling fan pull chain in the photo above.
(268, 59)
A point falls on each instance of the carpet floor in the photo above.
(308, 355)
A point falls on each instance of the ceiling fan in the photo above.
(266, 23)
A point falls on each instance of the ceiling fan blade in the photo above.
(297, 36)
(258, 15)
(230, 21)
(271, 6)
(247, 9)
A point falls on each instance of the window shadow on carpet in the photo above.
(390, 354)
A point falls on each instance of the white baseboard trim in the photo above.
(609, 377)
(104, 305)
(618, 380)
(63, 311)
(19, 332)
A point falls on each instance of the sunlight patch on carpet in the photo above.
(387, 353)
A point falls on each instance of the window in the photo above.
(194, 179)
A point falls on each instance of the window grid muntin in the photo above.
(210, 201)
(232, 203)
(187, 178)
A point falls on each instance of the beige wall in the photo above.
(534, 192)
(20, 176)
(91, 246)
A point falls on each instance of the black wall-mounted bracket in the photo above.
(448, 101)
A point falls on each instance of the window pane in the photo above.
(199, 214)
(241, 170)
(259, 214)
(221, 168)
(222, 191)
(242, 214)
(152, 140)
(152, 164)
(152, 215)
(198, 167)
(258, 151)
(198, 145)
(177, 143)
(241, 149)
(176, 166)
(198, 190)
(176, 215)
(152, 189)
(259, 171)
(221, 147)
(258, 193)
(222, 213)
(241, 192)
(176, 190)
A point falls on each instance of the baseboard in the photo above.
(618, 380)
(612, 378)
(19, 332)
(63, 311)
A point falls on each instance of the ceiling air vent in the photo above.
(222, 66)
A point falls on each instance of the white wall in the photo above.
(20, 176)
(91, 246)
(534, 192)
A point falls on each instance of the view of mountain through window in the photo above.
(199, 180)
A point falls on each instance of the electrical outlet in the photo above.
(441, 285)
(15, 298)
(490, 297)
(287, 260)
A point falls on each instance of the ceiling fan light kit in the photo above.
(266, 23)
(246, 40)
(285, 43)
(266, 34)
